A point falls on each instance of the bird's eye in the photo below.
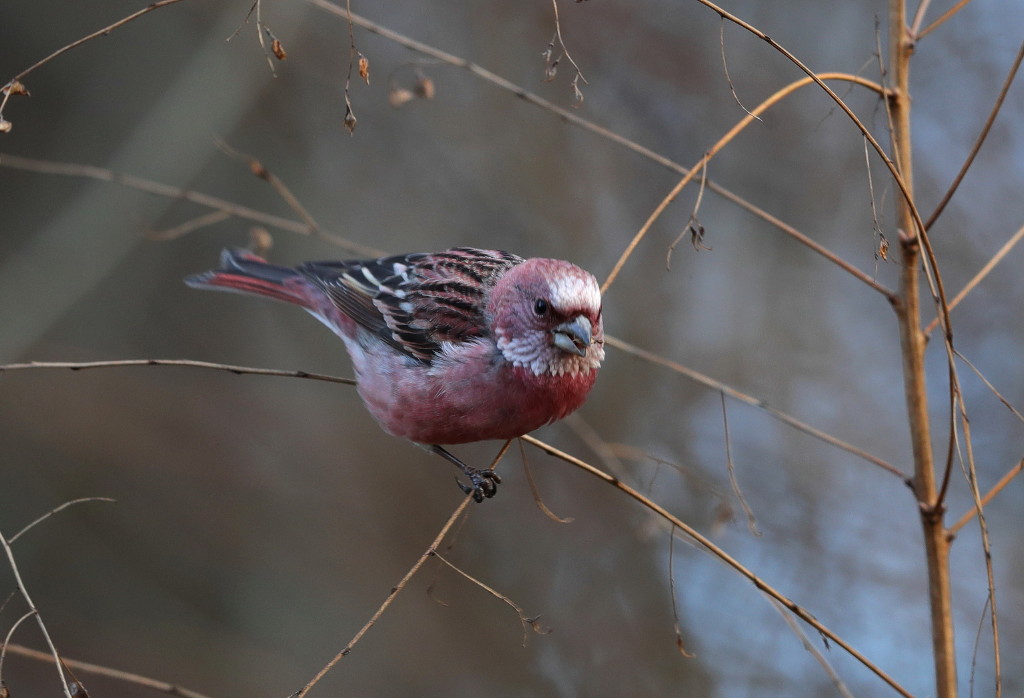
(540, 306)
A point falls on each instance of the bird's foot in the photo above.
(485, 483)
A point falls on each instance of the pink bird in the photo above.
(448, 347)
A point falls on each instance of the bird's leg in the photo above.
(484, 482)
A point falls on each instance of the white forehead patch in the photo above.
(575, 291)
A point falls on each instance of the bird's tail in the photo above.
(242, 271)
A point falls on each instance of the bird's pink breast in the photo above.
(470, 401)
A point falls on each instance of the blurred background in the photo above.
(260, 521)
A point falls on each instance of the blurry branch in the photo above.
(922, 9)
(982, 273)
(979, 141)
(706, 543)
(239, 370)
(151, 187)
(35, 612)
(396, 590)
(74, 44)
(1005, 480)
(189, 226)
(527, 622)
(941, 20)
(260, 170)
(134, 679)
(701, 164)
(575, 120)
(760, 404)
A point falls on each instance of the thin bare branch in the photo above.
(755, 402)
(35, 611)
(1005, 480)
(725, 69)
(979, 277)
(992, 388)
(123, 363)
(733, 481)
(427, 554)
(151, 187)
(716, 551)
(970, 472)
(979, 141)
(350, 116)
(672, 593)
(134, 679)
(919, 14)
(260, 170)
(815, 652)
(10, 634)
(189, 226)
(75, 44)
(577, 94)
(528, 623)
(53, 511)
(535, 491)
(947, 15)
(693, 226)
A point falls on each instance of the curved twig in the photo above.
(721, 143)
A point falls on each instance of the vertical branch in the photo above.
(912, 345)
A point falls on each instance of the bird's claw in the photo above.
(484, 483)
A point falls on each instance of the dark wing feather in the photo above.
(414, 302)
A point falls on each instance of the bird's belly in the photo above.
(452, 409)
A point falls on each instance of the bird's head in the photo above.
(546, 316)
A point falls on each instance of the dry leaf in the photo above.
(364, 69)
(424, 87)
(577, 94)
(15, 88)
(257, 168)
(350, 119)
(399, 96)
(278, 50)
(551, 70)
(260, 241)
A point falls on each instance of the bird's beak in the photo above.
(575, 336)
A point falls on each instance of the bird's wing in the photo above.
(415, 302)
